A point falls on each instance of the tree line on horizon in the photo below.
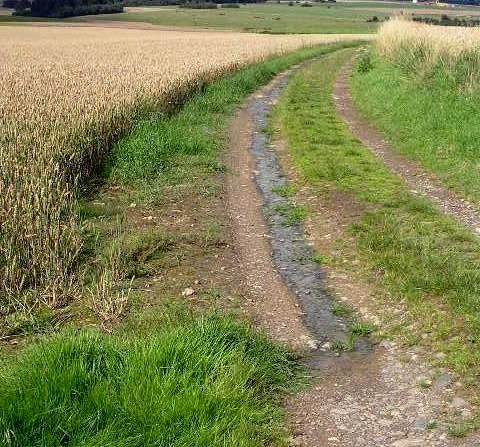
(63, 8)
(69, 8)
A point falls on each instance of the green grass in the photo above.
(269, 18)
(204, 381)
(172, 148)
(362, 329)
(415, 254)
(284, 191)
(460, 430)
(292, 214)
(341, 310)
(13, 20)
(432, 122)
(339, 346)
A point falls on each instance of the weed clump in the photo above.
(364, 62)
(203, 381)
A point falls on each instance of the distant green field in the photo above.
(268, 18)
(340, 17)
(278, 18)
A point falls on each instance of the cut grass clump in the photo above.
(414, 254)
(285, 191)
(142, 250)
(341, 310)
(362, 329)
(460, 430)
(358, 329)
(339, 346)
(24, 323)
(207, 381)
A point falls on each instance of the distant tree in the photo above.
(10, 3)
(67, 8)
(183, 2)
(150, 2)
(22, 5)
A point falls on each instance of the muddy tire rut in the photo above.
(366, 398)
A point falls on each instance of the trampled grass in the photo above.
(206, 381)
(69, 93)
(413, 253)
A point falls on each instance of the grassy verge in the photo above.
(162, 377)
(204, 381)
(410, 252)
(172, 147)
(430, 121)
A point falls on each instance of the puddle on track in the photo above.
(292, 255)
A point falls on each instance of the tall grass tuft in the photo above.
(205, 382)
(449, 54)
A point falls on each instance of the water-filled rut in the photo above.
(292, 256)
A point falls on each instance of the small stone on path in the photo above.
(458, 402)
(443, 380)
(188, 292)
(412, 442)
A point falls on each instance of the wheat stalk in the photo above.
(65, 94)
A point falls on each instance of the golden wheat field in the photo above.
(66, 93)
